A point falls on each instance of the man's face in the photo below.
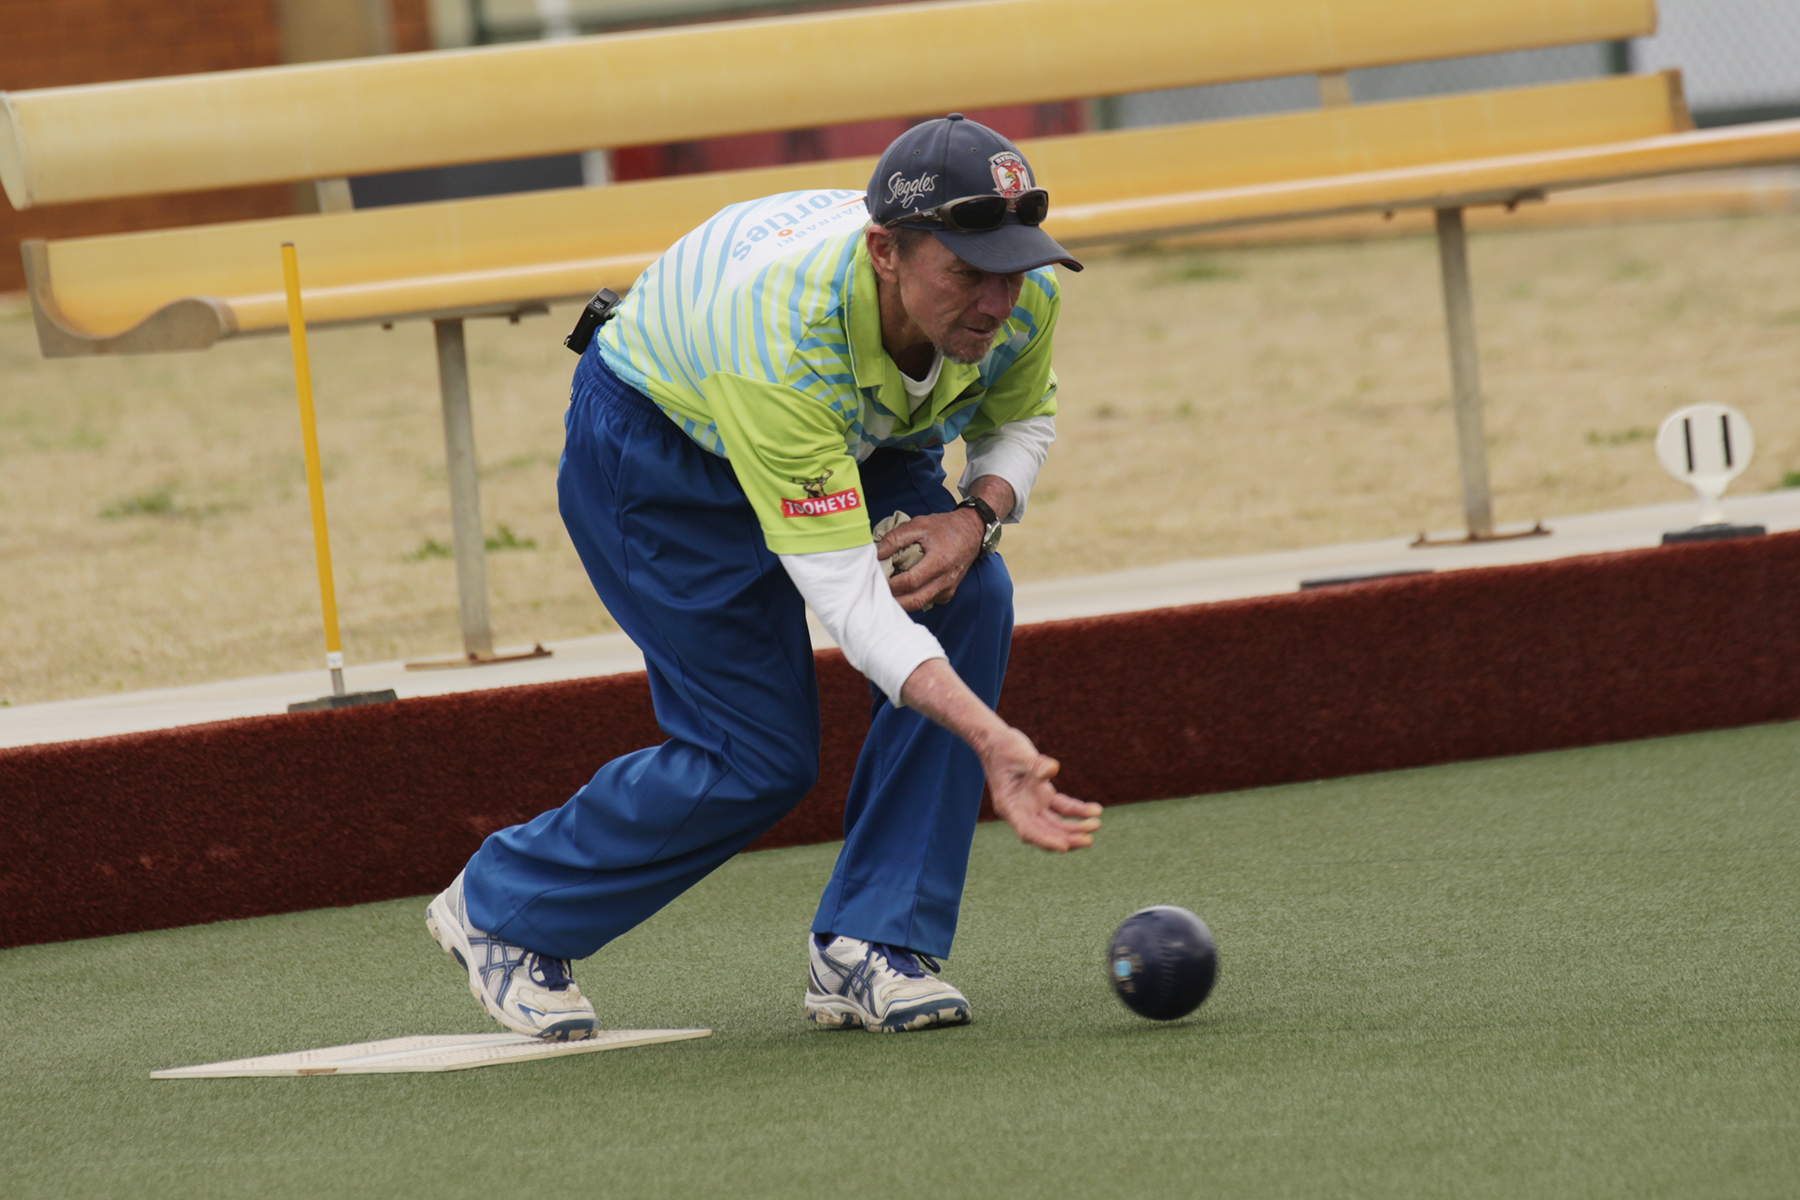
(957, 307)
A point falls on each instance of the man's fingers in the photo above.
(941, 539)
(912, 596)
(1069, 806)
(907, 584)
(900, 536)
(1055, 839)
(1048, 830)
(921, 585)
(1072, 824)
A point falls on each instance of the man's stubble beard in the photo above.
(967, 358)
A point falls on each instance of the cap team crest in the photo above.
(1011, 176)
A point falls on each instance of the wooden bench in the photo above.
(509, 255)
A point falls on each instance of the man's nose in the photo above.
(995, 298)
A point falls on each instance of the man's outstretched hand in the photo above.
(1019, 779)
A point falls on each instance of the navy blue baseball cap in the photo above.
(936, 163)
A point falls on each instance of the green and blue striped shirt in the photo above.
(759, 334)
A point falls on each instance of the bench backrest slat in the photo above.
(105, 285)
(327, 120)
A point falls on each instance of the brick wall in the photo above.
(412, 25)
(54, 42)
(50, 43)
(833, 141)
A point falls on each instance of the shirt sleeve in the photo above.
(1014, 452)
(791, 458)
(850, 596)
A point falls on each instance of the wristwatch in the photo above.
(990, 538)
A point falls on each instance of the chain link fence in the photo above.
(1739, 59)
(1293, 93)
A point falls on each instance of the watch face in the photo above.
(991, 539)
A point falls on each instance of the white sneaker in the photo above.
(882, 988)
(529, 993)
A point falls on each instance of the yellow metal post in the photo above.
(315, 481)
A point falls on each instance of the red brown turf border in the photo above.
(277, 814)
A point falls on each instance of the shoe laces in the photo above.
(905, 962)
(553, 974)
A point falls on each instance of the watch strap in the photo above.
(982, 508)
(990, 521)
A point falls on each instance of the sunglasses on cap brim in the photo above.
(983, 214)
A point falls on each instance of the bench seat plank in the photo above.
(1160, 160)
(382, 263)
(1502, 180)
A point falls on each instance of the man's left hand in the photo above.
(951, 542)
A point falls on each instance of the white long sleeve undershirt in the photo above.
(851, 598)
(1015, 452)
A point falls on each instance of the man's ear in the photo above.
(884, 253)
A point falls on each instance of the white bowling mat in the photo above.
(436, 1052)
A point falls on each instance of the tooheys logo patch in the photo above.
(822, 506)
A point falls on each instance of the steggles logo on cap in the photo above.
(909, 191)
(1011, 176)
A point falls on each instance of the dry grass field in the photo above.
(153, 511)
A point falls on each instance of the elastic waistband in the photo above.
(596, 379)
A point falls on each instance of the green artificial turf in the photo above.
(1569, 974)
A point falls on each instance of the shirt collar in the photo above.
(873, 369)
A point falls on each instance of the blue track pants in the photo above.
(676, 554)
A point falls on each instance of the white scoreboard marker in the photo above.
(433, 1052)
(1706, 446)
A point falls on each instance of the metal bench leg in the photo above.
(465, 508)
(1465, 373)
(465, 489)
